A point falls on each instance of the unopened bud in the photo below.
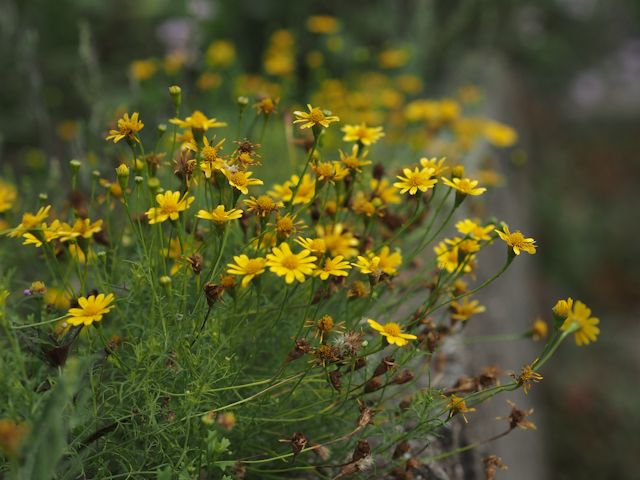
(75, 165)
(176, 95)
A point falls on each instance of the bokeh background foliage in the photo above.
(564, 71)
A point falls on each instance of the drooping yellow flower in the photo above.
(169, 206)
(315, 117)
(219, 215)
(418, 179)
(580, 319)
(384, 262)
(448, 258)
(293, 266)
(262, 206)
(197, 121)
(392, 332)
(128, 127)
(338, 240)
(464, 186)
(90, 309)
(361, 133)
(45, 234)
(240, 180)
(499, 134)
(249, 268)
(354, 160)
(475, 229)
(8, 195)
(83, 228)
(517, 241)
(336, 267)
(389, 261)
(31, 221)
(465, 309)
(457, 405)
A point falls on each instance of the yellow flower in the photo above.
(336, 266)
(466, 309)
(315, 117)
(248, 267)
(418, 179)
(499, 134)
(287, 225)
(8, 195)
(240, 180)
(465, 186)
(90, 309)
(563, 308)
(142, 70)
(361, 133)
(31, 221)
(528, 376)
(219, 215)
(262, 206)
(211, 161)
(385, 262)
(384, 191)
(314, 245)
(324, 24)
(392, 332)
(457, 405)
(57, 298)
(438, 165)
(353, 161)
(539, 330)
(127, 127)
(517, 241)
(220, 53)
(293, 266)
(82, 228)
(474, 229)
(585, 326)
(197, 121)
(266, 105)
(170, 206)
(304, 194)
(338, 240)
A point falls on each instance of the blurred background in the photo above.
(564, 73)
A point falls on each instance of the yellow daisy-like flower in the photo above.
(464, 310)
(392, 332)
(197, 121)
(85, 228)
(353, 161)
(240, 180)
(314, 245)
(336, 267)
(528, 376)
(169, 206)
(219, 215)
(418, 179)
(248, 267)
(474, 229)
(211, 161)
(31, 221)
(262, 206)
(293, 266)
(386, 262)
(304, 194)
(361, 133)
(438, 165)
(499, 134)
(517, 241)
(580, 318)
(315, 117)
(465, 186)
(383, 190)
(45, 234)
(8, 195)
(90, 309)
(338, 240)
(457, 405)
(128, 127)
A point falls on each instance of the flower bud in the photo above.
(176, 95)
(154, 184)
(138, 179)
(75, 165)
(457, 171)
(95, 174)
